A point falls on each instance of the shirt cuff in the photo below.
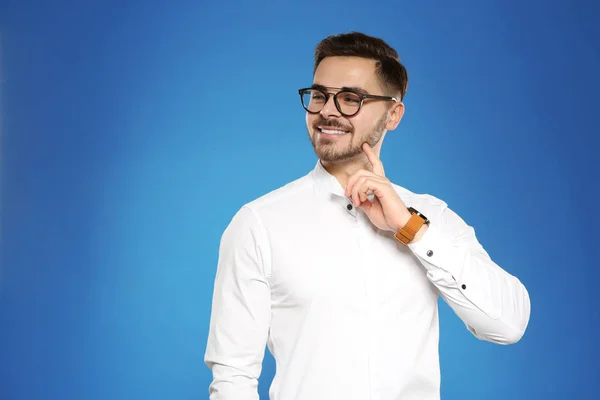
(436, 252)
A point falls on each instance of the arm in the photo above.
(493, 304)
(241, 311)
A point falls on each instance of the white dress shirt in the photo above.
(348, 312)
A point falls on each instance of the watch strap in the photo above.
(408, 232)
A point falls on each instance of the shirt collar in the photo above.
(326, 182)
(328, 185)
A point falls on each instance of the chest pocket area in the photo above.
(398, 275)
(317, 269)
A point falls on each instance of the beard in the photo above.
(329, 151)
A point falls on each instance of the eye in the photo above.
(350, 98)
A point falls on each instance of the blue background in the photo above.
(132, 132)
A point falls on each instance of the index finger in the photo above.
(374, 160)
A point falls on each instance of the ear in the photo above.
(396, 113)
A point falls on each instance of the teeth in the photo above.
(333, 132)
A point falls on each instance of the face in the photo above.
(337, 138)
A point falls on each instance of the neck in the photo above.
(343, 170)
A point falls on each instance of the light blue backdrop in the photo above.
(132, 132)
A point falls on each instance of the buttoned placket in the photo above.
(362, 228)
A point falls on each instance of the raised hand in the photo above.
(387, 211)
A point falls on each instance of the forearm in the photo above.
(230, 383)
(236, 344)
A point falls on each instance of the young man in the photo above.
(339, 272)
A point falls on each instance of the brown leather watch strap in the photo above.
(407, 233)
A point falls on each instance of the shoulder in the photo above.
(276, 202)
(281, 197)
(428, 204)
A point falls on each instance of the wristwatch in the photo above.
(407, 233)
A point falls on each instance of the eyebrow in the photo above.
(351, 88)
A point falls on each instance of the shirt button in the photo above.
(349, 206)
(429, 253)
(464, 286)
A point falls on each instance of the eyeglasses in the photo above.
(347, 102)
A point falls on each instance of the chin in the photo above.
(335, 156)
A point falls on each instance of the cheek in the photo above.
(359, 126)
(310, 120)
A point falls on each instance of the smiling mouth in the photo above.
(331, 131)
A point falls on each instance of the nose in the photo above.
(329, 109)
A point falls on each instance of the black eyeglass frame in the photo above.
(362, 97)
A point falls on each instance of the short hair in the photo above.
(388, 68)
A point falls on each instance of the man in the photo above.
(339, 272)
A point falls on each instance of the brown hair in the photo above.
(389, 70)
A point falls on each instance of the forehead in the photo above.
(338, 72)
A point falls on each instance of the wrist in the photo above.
(420, 234)
(411, 226)
(402, 220)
